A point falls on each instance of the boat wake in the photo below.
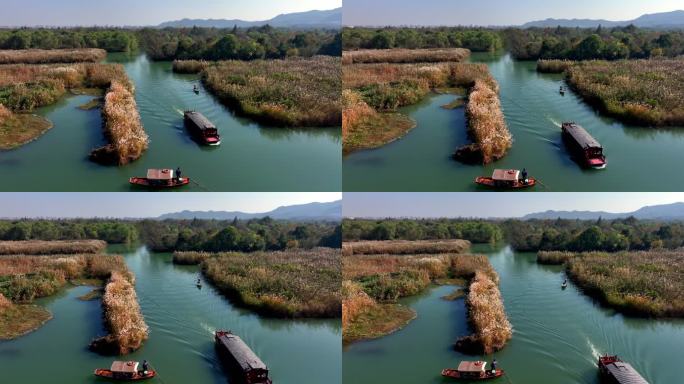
(554, 122)
(178, 111)
(594, 351)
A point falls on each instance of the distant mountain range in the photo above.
(666, 212)
(674, 19)
(312, 19)
(331, 211)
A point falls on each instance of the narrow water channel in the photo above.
(182, 319)
(557, 334)
(639, 158)
(251, 157)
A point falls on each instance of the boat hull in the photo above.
(491, 183)
(145, 182)
(455, 374)
(106, 373)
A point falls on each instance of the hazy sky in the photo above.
(147, 204)
(475, 204)
(494, 12)
(146, 12)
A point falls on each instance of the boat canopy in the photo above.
(243, 355)
(199, 120)
(160, 174)
(624, 373)
(125, 366)
(472, 366)
(581, 136)
(506, 175)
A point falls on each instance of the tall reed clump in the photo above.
(401, 55)
(405, 247)
(45, 56)
(123, 318)
(296, 283)
(189, 66)
(4, 302)
(354, 302)
(127, 138)
(637, 283)
(486, 126)
(190, 257)
(53, 247)
(296, 92)
(554, 257)
(487, 317)
(643, 92)
(553, 66)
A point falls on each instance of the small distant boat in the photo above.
(506, 179)
(617, 371)
(561, 91)
(125, 371)
(564, 285)
(203, 129)
(472, 370)
(195, 89)
(585, 148)
(160, 178)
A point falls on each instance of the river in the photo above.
(182, 319)
(251, 157)
(639, 159)
(557, 334)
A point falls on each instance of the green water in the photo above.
(250, 158)
(182, 319)
(639, 159)
(557, 335)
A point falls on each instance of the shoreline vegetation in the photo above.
(373, 92)
(24, 278)
(288, 284)
(373, 283)
(51, 247)
(24, 87)
(294, 92)
(641, 92)
(405, 247)
(646, 283)
(47, 56)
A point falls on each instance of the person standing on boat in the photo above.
(524, 175)
(494, 366)
(178, 174)
(145, 367)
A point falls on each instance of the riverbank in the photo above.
(46, 56)
(293, 283)
(642, 92)
(18, 320)
(17, 129)
(373, 284)
(27, 87)
(51, 247)
(296, 92)
(636, 283)
(373, 90)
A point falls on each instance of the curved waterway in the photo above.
(182, 319)
(251, 157)
(639, 159)
(557, 337)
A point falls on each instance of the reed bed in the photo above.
(55, 247)
(45, 56)
(189, 66)
(486, 126)
(296, 283)
(190, 257)
(487, 317)
(296, 92)
(123, 318)
(401, 55)
(644, 92)
(18, 320)
(127, 138)
(405, 247)
(374, 90)
(554, 257)
(553, 66)
(638, 283)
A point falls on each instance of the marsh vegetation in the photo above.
(47, 56)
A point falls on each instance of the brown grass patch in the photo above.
(18, 320)
(45, 56)
(553, 66)
(405, 247)
(189, 66)
(401, 55)
(54, 247)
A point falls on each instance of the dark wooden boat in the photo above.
(195, 89)
(160, 178)
(472, 370)
(587, 151)
(125, 371)
(243, 364)
(617, 371)
(201, 128)
(506, 179)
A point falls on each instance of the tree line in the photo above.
(527, 235)
(263, 42)
(475, 39)
(183, 235)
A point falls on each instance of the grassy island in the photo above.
(47, 56)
